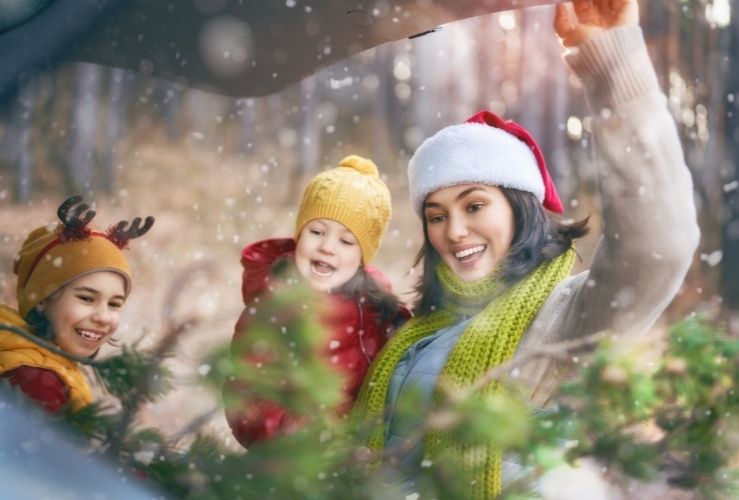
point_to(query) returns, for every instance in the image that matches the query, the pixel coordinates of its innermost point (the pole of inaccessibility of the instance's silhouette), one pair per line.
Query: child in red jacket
(342, 217)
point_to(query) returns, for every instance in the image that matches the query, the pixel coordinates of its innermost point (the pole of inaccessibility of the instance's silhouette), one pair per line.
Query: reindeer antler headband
(75, 216)
(75, 224)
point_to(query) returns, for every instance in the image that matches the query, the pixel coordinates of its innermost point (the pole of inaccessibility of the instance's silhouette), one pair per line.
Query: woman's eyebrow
(466, 192)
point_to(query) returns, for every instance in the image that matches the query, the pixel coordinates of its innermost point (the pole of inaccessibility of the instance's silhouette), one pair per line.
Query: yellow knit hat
(354, 195)
(55, 254)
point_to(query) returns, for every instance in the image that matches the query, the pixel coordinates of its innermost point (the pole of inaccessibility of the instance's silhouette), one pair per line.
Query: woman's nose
(456, 228)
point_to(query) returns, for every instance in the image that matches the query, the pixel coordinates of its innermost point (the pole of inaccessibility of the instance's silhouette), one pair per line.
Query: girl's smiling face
(85, 312)
(327, 254)
(471, 226)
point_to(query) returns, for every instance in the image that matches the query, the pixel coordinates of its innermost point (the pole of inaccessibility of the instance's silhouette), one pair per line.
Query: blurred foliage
(676, 420)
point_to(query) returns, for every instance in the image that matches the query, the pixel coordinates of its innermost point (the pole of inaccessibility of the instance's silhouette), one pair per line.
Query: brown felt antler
(120, 235)
(75, 223)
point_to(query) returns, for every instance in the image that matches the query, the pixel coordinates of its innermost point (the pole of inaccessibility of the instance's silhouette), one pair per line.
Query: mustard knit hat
(354, 195)
(55, 254)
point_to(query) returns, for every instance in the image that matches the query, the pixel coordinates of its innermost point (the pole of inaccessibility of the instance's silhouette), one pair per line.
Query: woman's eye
(347, 242)
(86, 298)
(435, 219)
(115, 305)
(316, 232)
(474, 207)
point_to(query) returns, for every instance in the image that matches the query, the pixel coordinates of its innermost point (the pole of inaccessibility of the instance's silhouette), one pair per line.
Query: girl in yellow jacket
(72, 283)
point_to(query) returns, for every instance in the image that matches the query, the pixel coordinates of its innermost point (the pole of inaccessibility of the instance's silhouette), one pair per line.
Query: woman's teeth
(469, 251)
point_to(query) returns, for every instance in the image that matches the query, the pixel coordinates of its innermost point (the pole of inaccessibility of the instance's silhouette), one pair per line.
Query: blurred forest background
(219, 172)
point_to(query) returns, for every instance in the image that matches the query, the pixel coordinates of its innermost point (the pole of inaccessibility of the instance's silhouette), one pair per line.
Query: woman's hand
(578, 21)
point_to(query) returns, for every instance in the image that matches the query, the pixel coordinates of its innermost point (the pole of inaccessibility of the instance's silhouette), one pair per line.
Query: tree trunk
(22, 156)
(82, 157)
(116, 120)
(730, 229)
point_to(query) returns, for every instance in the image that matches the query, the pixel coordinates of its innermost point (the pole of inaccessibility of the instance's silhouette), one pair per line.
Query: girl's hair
(363, 287)
(40, 325)
(538, 238)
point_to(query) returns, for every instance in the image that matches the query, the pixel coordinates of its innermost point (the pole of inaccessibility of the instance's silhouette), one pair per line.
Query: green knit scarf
(491, 338)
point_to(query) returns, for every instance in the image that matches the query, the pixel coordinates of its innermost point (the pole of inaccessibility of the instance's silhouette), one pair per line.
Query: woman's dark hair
(363, 287)
(538, 238)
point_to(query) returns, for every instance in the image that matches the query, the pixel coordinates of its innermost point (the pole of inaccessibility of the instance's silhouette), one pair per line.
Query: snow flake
(712, 259)
(144, 456)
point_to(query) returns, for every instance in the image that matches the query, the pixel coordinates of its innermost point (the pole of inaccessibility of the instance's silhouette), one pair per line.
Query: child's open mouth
(322, 268)
(89, 335)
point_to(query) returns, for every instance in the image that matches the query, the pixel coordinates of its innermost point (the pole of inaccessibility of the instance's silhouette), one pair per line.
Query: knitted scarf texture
(500, 320)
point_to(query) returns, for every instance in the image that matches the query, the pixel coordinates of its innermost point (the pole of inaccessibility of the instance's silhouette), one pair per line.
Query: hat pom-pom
(361, 165)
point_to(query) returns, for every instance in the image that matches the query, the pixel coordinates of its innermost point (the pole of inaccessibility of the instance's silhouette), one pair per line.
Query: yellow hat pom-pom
(360, 164)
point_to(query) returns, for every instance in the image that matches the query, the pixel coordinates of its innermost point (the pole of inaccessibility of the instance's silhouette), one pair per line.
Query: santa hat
(484, 150)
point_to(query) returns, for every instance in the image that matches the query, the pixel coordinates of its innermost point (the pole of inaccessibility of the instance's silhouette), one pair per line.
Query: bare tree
(83, 141)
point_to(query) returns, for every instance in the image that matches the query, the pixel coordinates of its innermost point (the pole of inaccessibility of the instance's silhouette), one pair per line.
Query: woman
(72, 284)
(496, 264)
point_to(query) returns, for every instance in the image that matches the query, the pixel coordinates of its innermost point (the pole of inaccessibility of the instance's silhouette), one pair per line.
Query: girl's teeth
(322, 269)
(89, 335)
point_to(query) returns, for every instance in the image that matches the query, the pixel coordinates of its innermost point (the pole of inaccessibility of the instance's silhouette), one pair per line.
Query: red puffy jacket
(347, 349)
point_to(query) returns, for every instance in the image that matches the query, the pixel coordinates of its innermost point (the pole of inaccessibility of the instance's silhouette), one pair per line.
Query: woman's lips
(470, 253)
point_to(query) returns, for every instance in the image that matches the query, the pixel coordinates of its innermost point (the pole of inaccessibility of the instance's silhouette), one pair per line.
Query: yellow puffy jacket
(16, 351)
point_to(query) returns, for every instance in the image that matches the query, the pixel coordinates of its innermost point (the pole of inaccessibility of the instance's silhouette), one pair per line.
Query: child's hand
(578, 21)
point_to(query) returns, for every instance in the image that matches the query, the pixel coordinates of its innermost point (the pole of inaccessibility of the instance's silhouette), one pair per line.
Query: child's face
(84, 314)
(327, 255)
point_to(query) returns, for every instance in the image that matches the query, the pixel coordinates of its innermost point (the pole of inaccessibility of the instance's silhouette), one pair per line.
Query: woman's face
(471, 226)
(84, 313)
(327, 254)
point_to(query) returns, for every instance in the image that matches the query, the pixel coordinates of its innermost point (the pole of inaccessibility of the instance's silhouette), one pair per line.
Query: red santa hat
(484, 150)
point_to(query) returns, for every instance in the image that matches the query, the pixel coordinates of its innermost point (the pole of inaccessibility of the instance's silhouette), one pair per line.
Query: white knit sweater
(649, 222)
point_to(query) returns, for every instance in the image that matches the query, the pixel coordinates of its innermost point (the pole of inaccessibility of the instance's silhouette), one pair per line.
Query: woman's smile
(470, 254)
